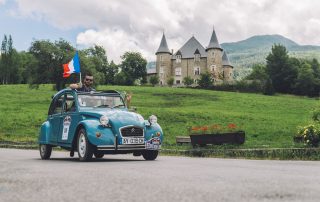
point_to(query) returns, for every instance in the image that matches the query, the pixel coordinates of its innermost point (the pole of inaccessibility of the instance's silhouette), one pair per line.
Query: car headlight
(104, 120)
(153, 119)
(140, 118)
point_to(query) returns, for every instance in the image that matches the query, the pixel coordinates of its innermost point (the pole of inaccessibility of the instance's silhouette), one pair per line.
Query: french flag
(72, 67)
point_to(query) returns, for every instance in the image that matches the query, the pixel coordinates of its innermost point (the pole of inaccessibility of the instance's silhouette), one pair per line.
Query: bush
(205, 80)
(310, 134)
(170, 81)
(188, 81)
(154, 80)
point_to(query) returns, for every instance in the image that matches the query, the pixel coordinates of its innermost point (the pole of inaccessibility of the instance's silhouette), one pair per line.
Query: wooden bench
(183, 139)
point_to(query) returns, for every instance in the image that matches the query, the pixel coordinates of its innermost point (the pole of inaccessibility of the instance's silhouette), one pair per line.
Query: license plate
(132, 140)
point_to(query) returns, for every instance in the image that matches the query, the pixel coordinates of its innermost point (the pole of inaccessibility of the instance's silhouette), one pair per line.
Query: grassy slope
(269, 121)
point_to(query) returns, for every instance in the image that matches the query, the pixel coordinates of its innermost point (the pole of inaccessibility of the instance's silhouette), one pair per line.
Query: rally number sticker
(153, 144)
(66, 126)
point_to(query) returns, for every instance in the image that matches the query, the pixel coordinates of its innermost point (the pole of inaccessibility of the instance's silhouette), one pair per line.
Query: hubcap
(82, 145)
(43, 149)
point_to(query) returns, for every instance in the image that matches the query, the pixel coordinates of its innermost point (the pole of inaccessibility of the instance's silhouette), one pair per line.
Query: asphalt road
(25, 177)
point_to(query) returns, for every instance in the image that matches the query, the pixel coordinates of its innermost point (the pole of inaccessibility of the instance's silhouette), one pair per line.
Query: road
(25, 177)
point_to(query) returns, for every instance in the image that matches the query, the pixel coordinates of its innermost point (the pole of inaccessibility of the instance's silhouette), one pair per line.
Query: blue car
(97, 123)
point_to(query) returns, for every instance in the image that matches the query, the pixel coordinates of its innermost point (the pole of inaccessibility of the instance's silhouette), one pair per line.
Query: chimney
(172, 51)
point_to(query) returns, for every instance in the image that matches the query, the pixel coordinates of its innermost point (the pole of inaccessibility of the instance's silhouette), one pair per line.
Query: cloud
(128, 25)
(2, 2)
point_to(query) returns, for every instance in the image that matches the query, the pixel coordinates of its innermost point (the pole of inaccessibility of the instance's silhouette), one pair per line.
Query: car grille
(131, 131)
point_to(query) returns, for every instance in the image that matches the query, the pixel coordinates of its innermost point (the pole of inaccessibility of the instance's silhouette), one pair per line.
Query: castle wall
(187, 66)
(163, 63)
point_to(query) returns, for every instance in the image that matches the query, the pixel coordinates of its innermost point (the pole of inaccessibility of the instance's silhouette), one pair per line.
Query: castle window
(212, 53)
(195, 81)
(213, 68)
(197, 57)
(161, 58)
(197, 71)
(178, 81)
(178, 58)
(178, 71)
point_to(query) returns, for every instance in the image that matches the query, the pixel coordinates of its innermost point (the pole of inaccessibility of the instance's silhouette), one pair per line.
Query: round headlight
(104, 120)
(153, 119)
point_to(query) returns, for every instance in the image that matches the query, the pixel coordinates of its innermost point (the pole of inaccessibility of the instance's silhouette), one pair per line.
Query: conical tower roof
(225, 60)
(163, 48)
(214, 41)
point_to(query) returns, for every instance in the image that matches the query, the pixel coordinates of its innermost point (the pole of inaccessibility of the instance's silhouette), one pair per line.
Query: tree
(281, 70)
(259, 72)
(170, 81)
(111, 71)
(188, 81)
(99, 61)
(268, 87)
(205, 80)
(133, 66)
(50, 57)
(305, 82)
(9, 62)
(154, 80)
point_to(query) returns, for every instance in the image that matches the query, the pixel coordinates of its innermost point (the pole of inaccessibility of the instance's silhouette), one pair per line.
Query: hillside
(244, 54)
(269, 121)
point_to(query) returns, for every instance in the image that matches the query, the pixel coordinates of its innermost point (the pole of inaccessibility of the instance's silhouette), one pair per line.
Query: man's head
(88, 80)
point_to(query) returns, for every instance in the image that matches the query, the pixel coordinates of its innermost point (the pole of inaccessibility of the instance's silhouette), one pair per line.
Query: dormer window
(197, 56)
(178, 58)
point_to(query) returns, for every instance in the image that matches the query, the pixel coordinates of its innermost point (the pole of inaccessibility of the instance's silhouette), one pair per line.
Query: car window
(100, 101)
(56, 106)
(70, 104)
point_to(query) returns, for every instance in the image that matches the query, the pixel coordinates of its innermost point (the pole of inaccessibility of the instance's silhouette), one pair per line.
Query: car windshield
(100, 100)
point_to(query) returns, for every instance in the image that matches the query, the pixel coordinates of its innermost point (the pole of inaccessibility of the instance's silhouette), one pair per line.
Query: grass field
(269, 121)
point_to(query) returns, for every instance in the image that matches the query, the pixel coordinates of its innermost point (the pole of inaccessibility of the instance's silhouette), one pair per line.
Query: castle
(191, 60)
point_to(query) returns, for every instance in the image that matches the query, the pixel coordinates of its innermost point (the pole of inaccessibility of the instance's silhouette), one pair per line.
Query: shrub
(170, 81)
(310, 134)
(188, 81)
(154, 80)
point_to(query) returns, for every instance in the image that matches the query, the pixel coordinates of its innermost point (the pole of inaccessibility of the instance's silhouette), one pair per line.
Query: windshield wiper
(116, 106)
(100, 106)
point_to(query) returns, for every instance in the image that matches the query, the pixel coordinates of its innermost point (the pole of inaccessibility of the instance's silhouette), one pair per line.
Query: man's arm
(75, 85)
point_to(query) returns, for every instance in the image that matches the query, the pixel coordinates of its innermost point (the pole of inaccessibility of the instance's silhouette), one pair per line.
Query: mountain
(244, 54)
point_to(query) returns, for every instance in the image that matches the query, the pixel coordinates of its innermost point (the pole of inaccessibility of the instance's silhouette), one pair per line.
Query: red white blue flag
(72, 67)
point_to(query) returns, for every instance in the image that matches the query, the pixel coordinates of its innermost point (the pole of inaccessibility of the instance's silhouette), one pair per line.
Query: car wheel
(98, 155)
(85, 149)
(45, 151)
(150, 154)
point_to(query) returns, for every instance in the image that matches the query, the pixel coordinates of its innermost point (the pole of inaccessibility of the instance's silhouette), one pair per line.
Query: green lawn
(269, 121)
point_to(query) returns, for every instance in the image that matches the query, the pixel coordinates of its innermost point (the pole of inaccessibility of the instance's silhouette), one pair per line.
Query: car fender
(44, 136)
(93, 127)
(153, 131)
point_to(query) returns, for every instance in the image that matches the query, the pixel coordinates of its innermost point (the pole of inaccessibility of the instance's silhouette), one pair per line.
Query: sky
(138, 25)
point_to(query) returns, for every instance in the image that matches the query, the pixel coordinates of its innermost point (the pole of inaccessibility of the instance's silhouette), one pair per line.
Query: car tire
(45, 151)
(98, 155)
(150, 155)
(85, 149)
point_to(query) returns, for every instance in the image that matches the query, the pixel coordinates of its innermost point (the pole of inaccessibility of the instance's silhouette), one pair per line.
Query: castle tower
(163, 63)
(227, 68)
(214, 58)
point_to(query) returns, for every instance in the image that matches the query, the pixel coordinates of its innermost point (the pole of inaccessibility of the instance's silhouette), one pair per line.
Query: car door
(55, 118)
(69, 119)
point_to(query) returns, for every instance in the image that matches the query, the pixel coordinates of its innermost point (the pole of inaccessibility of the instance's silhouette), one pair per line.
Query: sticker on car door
(66, 126)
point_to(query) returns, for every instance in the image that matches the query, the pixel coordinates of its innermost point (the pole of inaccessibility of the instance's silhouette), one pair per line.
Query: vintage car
(97, 123)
